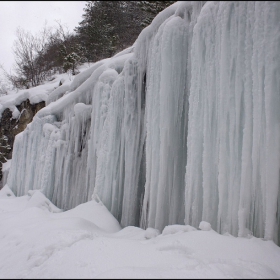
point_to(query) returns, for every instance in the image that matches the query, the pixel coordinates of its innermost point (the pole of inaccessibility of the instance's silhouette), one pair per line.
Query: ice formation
(182, 127)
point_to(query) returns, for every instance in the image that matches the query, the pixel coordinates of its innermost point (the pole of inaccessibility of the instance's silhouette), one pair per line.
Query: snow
(88, 242)
(37, 199)
(204, 226)
(151, 233)
(96, 213)
(6, 165)
(5, 171)
(48, 92)
(6, 192)
(177, 228)
(177, 129)
(179, 135)
(57, 93)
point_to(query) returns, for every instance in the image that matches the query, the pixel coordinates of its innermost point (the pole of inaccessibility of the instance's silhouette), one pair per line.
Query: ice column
(120, 151)
(232, 177)
(166, 125)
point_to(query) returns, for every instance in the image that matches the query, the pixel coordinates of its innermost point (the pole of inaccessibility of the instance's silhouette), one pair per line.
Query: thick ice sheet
(233, 162)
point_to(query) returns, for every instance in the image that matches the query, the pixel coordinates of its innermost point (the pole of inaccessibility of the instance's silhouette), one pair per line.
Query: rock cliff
(10, 127)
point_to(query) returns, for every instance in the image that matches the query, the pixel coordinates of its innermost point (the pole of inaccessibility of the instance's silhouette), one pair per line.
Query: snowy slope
(181, 128)
(46, 92)
(87, 242)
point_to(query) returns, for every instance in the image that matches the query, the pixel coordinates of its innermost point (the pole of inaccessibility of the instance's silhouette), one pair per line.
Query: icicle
(191, 108)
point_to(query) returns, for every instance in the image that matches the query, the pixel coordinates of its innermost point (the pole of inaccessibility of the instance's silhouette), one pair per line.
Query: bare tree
(7, 81)
(39, 56)
(27, 50)
(3, 89)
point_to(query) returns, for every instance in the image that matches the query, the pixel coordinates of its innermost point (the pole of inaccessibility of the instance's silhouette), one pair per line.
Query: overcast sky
(31, 16)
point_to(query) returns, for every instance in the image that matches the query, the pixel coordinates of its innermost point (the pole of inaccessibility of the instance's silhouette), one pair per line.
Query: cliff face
(10, 127)
(181, 128)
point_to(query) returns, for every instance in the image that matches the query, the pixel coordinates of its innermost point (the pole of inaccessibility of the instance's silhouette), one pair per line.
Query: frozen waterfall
(182, 127)
(233, 162)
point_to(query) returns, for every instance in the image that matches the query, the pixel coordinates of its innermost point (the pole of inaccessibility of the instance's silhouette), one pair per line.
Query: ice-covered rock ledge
(17, 109)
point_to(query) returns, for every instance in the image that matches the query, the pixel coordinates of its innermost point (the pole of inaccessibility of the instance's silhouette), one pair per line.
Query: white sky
(31, 16)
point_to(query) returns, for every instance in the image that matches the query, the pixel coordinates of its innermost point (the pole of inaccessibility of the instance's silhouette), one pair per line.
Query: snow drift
(181, 128)
(87, 242)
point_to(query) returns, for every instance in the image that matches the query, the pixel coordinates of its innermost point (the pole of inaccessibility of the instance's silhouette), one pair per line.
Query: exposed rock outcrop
(10, 127)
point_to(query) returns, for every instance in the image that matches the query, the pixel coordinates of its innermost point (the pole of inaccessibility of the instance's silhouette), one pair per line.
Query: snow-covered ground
(39, 93)
(225, 184)
(38, 240)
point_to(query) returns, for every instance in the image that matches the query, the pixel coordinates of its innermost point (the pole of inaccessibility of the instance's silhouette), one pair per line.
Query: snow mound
(151, 233)
(96, 213)
(39, 244)
(131, 232)
(37, 199)
(177, 228)
(6, 192)
(205, 226)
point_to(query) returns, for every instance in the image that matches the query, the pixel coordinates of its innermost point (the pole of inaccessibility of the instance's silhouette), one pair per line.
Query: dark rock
(10, 127)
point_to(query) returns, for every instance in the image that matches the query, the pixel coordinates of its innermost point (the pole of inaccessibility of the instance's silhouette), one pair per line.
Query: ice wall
(232, 177)
(183, 126)
(168, 84)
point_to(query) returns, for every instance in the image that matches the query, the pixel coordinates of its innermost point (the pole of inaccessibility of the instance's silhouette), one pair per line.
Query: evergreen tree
(151, 9)
(108, 27)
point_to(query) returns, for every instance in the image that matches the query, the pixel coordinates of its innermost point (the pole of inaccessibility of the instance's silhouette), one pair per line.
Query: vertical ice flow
(232, 178)
(182, 127)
